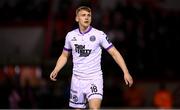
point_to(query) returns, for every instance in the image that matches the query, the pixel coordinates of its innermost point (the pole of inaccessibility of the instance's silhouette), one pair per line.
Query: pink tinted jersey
(86, 50)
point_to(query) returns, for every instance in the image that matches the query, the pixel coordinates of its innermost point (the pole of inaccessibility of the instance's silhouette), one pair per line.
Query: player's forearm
(120, 61)
(60, 63)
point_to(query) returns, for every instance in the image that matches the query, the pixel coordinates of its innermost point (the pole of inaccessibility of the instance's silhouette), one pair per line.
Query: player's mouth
(86, 22)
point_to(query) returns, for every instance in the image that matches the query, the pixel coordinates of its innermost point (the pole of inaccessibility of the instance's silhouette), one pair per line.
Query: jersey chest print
(81, 49)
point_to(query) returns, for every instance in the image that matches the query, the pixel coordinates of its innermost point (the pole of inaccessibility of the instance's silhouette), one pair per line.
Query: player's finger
(130, 82)
(52, 77)
(126, 81)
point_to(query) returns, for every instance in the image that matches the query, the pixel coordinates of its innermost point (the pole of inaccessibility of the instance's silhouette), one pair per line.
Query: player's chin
(86, 24)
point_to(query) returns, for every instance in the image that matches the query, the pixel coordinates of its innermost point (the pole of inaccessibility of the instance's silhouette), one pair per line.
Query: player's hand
(128, 79)
(53, 76)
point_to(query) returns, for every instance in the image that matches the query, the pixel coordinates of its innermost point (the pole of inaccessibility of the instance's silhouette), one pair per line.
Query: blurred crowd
(21, 10)
(25, 87)
(146, 34)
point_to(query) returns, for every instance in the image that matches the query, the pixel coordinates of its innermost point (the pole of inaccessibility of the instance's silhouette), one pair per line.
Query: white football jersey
(86, 50)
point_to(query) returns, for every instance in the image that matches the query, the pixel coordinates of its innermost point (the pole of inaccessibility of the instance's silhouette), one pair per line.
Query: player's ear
(77, 20)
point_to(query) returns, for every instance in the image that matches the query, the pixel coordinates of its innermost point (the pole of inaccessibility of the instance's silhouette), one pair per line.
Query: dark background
(32, 33)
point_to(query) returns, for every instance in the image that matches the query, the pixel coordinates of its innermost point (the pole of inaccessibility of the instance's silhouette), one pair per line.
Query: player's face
(84, 18)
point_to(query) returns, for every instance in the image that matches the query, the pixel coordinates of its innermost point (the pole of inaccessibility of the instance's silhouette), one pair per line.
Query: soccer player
(85, 44)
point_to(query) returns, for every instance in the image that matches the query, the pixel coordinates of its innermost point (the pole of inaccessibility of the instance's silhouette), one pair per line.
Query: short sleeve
(67, 45)
(105, 41)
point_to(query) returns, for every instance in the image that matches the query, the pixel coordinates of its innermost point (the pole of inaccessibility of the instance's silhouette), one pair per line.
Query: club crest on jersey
(92, 38)
(74, 39)
(74, 98)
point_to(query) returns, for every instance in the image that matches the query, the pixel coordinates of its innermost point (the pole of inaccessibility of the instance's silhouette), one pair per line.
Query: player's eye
(89, 15)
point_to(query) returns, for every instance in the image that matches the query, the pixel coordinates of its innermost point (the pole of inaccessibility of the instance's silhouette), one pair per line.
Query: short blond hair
(83, 8)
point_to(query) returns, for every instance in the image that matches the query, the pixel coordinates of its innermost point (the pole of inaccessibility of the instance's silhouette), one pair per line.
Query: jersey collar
(87, 30)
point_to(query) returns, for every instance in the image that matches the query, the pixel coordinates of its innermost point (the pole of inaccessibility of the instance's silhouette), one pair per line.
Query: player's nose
(86, 17)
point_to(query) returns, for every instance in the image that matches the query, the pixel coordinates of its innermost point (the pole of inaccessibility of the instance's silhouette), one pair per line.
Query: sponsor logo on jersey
(74, 39)
(83, 52)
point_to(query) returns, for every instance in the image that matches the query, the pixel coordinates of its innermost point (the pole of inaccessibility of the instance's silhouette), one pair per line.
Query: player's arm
(62, 60)
(120, 61)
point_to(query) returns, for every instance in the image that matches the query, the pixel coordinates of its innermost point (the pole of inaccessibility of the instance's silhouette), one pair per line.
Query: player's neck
(84, 29)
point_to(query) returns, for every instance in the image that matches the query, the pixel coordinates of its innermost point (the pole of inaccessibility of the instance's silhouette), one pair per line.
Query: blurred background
(146, 32)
